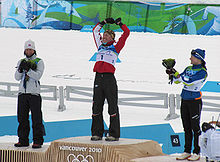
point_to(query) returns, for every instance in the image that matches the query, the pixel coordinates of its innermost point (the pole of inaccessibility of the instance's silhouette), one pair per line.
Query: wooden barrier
(83, 149)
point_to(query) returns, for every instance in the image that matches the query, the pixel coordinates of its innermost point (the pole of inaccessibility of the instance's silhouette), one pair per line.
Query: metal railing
(6, 89)
(48, 92)
(132, 98)
(85, 95)
(207, 105)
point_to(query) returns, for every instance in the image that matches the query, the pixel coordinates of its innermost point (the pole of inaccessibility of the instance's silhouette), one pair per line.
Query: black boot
(36, 146)
(21, 145)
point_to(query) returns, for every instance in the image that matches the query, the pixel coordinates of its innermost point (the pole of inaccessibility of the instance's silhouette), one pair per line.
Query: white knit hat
(29, 44)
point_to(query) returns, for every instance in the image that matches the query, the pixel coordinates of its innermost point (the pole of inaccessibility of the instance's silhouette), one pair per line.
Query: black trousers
(190, 114)
(27, 103)
(105, 87)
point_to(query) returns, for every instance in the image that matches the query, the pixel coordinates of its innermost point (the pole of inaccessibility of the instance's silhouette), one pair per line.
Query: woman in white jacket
(29, 71)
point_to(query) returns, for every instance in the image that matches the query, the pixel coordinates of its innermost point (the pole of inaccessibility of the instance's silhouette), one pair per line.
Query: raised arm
(96, 34)
(126, 32)
(96, 30)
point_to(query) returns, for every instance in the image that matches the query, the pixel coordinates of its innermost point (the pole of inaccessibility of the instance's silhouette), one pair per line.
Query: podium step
(164, 158)
(83, 149)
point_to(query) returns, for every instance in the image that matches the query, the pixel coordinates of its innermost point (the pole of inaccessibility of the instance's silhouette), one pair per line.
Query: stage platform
(164, 158)
(9, 153)
(82, 148)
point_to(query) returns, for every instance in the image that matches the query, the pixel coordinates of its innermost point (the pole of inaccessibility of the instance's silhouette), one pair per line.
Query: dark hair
(203, 64)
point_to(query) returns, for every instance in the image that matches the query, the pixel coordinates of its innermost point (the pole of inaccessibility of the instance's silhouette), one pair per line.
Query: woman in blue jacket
(193, 78)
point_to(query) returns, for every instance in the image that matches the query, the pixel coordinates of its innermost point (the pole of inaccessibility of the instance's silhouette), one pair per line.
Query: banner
(176, 18)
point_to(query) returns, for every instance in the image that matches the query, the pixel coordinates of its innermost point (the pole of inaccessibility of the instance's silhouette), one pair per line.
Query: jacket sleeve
(201, 75)
(18, 76)
(36, 75)
(96, 34)
(121, 42)
(194, 79)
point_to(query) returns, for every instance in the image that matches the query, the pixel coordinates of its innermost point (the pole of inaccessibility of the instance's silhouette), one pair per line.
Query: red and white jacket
(107, 54)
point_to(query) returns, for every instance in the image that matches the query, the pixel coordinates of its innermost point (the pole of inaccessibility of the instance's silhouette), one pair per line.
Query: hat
(111, 33)
(199, 54)
(29, 44)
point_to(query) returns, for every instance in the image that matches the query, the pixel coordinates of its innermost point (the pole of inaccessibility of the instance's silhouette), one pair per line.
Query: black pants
(190, 114)
(105, 87)
(26, 103)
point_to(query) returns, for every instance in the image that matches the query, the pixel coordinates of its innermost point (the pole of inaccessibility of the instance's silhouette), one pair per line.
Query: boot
(183, 156)
(111, 138)
(96, 138)
(194, 157)
(21, 144)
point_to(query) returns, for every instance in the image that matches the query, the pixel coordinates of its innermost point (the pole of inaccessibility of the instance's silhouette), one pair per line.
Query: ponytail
(203, 64)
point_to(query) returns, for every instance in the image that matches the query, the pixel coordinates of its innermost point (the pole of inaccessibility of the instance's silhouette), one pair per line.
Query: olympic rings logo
(78, 157)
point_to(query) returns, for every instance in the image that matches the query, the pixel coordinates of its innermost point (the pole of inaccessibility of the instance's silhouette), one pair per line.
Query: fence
(128, 101)
(207, 106)
(170, 101)
(11, 90)
(131, 98)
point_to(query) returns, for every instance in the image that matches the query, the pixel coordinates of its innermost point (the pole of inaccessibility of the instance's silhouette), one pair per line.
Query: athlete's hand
(110, 20)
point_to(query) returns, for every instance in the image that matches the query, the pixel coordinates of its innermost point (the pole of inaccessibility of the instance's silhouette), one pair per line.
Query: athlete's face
(29, 52)
(106, 38)
(195, 61)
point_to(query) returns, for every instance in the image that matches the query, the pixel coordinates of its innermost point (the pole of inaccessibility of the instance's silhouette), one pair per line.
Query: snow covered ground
(66, 56)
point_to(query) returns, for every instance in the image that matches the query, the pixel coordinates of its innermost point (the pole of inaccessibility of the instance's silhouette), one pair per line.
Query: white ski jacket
(33, 84)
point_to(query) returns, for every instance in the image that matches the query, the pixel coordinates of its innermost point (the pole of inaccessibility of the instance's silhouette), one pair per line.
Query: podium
(82, 149)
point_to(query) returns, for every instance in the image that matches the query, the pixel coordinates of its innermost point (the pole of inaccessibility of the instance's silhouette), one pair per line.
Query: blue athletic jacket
(193, 78)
